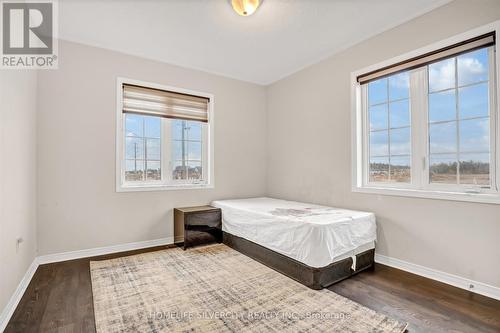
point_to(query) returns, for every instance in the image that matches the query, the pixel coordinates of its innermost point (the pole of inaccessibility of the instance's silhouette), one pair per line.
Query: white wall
(17, 177)
(305, 135)
(77, 202)
(309, 131)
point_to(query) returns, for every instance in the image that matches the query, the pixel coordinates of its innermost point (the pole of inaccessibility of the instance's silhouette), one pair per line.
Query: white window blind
(165, 104)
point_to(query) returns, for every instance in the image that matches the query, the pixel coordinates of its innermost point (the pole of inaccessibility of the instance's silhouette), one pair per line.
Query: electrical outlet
(19, 240)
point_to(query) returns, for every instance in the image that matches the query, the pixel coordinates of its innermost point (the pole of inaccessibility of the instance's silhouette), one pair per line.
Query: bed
(315, 245)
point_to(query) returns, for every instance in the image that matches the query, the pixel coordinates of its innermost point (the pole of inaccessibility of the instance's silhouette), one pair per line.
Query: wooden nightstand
(200, 225)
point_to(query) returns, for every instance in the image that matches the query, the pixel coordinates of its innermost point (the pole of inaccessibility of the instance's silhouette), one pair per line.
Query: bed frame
(315, 278)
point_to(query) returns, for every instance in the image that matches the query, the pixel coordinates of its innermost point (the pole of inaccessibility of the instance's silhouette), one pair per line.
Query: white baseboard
(11, 306)
(57, 257)
(454, 280)
(457, 281)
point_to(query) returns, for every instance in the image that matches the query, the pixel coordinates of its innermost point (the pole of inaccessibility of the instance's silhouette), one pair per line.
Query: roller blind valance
(162, 103)
(425, 59)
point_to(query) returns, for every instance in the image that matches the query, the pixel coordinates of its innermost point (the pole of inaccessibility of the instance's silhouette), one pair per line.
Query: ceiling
(282, 37)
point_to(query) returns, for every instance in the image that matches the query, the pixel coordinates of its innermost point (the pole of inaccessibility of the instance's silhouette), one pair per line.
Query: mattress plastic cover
(312, 234)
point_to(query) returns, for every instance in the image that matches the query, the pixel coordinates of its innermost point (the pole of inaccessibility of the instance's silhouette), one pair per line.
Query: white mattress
(314, 235)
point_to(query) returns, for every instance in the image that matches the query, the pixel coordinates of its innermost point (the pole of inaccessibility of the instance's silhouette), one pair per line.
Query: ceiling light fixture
(245, 7)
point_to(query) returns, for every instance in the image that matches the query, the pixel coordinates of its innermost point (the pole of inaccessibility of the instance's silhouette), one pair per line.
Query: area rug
(217, 289)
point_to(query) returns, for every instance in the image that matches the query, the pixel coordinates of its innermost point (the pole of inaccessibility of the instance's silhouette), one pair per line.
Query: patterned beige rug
(217, 289)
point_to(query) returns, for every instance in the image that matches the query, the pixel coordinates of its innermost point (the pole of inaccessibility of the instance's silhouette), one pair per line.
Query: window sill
(489, 198)
(150, 188)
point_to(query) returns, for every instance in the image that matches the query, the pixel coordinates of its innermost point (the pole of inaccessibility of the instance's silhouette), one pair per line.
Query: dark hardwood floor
(426, 305)
(59, 299)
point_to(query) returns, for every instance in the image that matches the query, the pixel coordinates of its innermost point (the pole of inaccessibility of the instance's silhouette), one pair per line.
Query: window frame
(420, 186)
(145, 138)
(366, 140)
(166, 183)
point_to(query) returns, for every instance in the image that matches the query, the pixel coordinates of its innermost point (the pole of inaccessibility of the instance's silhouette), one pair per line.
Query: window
(142, 148)
(427, 125)
(459, 119)
(390, 130)
(163, 137)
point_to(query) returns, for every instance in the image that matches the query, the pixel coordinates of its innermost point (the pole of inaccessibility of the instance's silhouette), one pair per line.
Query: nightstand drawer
(200, 225)
(209, 219)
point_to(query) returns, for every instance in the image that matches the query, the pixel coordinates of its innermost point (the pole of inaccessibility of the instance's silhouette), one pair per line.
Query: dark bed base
(315, 278)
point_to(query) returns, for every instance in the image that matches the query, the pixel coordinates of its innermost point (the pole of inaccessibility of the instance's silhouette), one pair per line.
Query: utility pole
(183, 149)
(135, 157)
